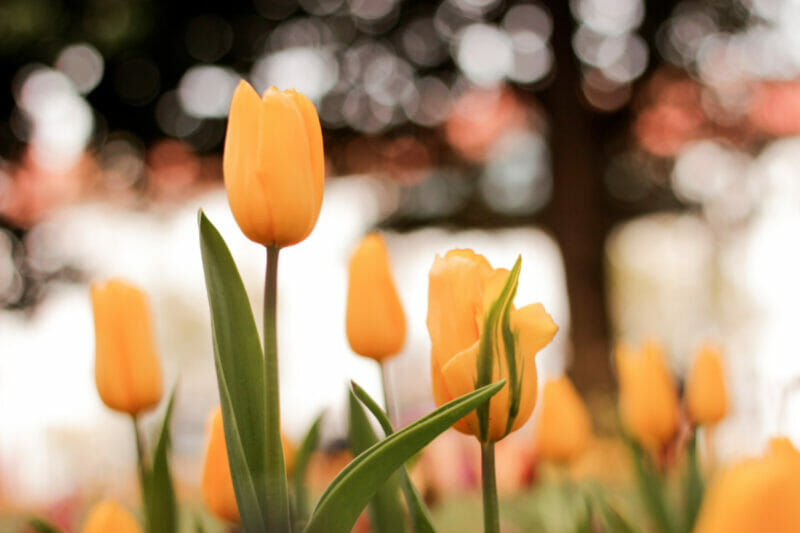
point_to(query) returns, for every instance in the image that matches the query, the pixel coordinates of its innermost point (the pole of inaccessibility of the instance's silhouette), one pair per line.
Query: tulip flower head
(376, 325)
(127, 370)
(706, 398)
(564, 427)
(479, 337)
(218, 493)
(108, 516)
(755, 495)
(273, 164)
(648, 399)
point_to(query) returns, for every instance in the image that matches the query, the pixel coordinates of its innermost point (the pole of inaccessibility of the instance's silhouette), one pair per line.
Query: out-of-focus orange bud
(376, 326)
(706, 398)
(108, 516)
(755, 495)
(648, 399)
(127, 371)
(462, 288)
(218, 491)
(564, 427)
(273, 164)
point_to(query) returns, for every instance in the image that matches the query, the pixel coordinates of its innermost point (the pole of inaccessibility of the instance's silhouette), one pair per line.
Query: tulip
(755, 495)
(564, 427)
(648, 398)
(273, 165)
(218, 491)
(376, 326)
(127, 371)
(108, 516)
(706, 399)
(463, 288)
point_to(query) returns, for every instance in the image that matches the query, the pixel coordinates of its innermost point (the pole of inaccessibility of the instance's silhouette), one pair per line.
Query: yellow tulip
(564, 427)
(755, 495)
(108, 516)
(273, 165)
(462, 288)
(706, 398)
(648, 398)
(376, 326)
(217, 483)
(127, 371)
(218, 491)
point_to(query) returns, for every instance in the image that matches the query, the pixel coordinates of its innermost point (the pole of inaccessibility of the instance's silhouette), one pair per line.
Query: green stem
(385, 383)
(277, 504)
(141, 461)
(491, 513)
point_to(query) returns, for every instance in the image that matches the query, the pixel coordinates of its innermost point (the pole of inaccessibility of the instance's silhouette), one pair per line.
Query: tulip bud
(648, 399)
(564, 426)
(127, 371)
(463, 289)
(218, 492)
(273, 165)
(706, 398)
(108, 516)
(376, 326)
(755, 495)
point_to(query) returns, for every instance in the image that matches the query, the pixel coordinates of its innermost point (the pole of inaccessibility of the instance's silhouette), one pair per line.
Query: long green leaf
(651, 488)
(299, 490)
(41, 526)
(385, 510)
(240, 376)
(421, 521)
(348, 494)
(162, 511)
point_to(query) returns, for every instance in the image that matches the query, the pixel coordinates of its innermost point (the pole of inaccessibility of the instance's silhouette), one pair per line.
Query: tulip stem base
(278, 519)
(491, 512)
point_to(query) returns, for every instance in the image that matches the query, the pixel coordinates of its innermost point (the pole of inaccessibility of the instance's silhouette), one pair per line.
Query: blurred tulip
(127, 371)
(648, 399)
(755, 495)
(706, 398)
(376, 326)
(273, 165)
(108, 516)
(463, 286)
(564, 427)
(217, 481)
(218, 493)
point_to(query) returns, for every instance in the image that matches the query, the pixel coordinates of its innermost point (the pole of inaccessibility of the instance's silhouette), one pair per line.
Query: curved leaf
(239, 363)
(299, 490)
(162, 514)
(348, 494)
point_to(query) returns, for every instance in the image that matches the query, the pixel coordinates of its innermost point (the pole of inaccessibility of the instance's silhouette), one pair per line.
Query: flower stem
(277, 503)
(141, 461)
(385, 386)
(491, 513)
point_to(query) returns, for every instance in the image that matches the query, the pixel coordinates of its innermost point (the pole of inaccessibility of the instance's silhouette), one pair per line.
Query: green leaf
(421, 521)
(651, 488)
(162, 513)
(37, 524)
(240, 376)
(300, 492)
(385, 511)
(348, 494)
(495, 317)
(694, 485)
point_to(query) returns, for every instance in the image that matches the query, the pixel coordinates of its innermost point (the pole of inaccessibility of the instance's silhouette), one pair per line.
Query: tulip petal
(534, 328)
(218, 492)
(314, 132)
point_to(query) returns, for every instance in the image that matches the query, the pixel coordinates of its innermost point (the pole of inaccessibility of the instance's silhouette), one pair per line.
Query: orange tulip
(648, 398)
(706, 398)
(564, 427)
(376, 326)
(127, 371)
(218, 491)
(462, 289)
(273, 165)
(108, 516)
(755, 495)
